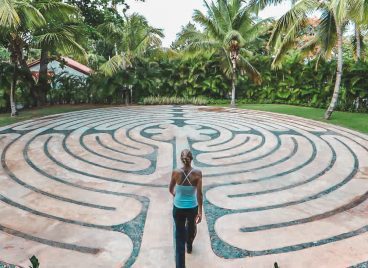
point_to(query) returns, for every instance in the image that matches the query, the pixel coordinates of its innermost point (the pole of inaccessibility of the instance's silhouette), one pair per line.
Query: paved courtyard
(89, 189)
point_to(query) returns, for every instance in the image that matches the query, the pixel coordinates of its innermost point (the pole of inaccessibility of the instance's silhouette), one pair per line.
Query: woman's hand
(198, 218)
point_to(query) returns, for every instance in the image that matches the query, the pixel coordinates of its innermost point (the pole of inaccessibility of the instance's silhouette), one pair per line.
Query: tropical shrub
(174, 100)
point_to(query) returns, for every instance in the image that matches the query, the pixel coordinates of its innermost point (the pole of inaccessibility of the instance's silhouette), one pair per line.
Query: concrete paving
(89, 189)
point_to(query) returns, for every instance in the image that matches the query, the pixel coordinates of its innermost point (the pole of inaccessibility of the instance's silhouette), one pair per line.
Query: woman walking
(186, 187)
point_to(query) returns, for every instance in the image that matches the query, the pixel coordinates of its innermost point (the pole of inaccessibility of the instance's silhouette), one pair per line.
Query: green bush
(173, 101)
(200, 81)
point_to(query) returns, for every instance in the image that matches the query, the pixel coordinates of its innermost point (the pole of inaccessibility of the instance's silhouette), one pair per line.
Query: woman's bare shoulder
(197, 171)
(176, 171)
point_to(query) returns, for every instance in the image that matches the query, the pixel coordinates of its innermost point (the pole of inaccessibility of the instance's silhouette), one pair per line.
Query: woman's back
(185, 192)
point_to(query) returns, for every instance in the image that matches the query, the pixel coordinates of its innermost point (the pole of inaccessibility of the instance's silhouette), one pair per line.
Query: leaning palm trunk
(336, 92)
(12, 91)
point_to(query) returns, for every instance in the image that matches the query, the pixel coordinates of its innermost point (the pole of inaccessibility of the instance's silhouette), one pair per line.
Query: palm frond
(70, 47)
(326, 33)
(151, 38)
(241, 18)
(364, 13)
(287, 41)
(247, 68)
(225, 62)
(358, 10)
(30, 16)
(283, 48)
(8, 14)
(190, 35)
(357, 37)
(295, 16)
(341, 9)
(310, 47)
(203, 45)
(111, 31)
(257, 29)
(246, 53)
(225, 11)
(157, 31)
(110, 28)
(115, 64)
(207, 23)
(236, 8)
(55, 10)
(258, 5)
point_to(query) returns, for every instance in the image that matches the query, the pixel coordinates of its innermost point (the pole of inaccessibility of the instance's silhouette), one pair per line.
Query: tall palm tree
(229, 30)
(357, 41)
(131, 39)
(60, 34)
(24, 23)
(360, 22)
(328, 39)
(17, 18)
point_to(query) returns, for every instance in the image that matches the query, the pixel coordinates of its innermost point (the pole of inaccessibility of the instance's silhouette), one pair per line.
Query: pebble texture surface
(89, 189)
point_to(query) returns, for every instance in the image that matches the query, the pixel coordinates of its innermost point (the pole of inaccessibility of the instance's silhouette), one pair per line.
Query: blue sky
(170, 15)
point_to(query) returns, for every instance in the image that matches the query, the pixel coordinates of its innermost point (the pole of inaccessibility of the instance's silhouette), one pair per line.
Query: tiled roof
(76, 65)
(70, 63)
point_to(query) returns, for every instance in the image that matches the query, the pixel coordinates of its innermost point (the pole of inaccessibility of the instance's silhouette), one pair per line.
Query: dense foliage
(302, 83)
(234, 48)
(298, 83)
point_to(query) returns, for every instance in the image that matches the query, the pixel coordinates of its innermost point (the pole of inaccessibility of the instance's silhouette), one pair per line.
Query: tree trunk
(14, 60)
(131, 94)
(336, 92)
(358, 42)
(126, 97)
(233, 57)
(43, 79)
(29, 78)
(13, 87)
(233, 84)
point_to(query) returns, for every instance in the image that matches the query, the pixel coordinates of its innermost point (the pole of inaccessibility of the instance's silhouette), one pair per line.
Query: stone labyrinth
(89, 189)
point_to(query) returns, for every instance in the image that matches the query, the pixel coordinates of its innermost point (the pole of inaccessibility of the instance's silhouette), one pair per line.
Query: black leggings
(185, 231)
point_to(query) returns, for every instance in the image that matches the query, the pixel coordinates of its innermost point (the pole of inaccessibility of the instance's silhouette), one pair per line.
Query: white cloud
(170, 15)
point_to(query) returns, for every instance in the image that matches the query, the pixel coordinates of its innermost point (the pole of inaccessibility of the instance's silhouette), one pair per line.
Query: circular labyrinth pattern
(89, 189)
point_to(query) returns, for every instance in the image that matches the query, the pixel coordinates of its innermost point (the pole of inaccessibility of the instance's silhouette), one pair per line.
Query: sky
(171, 15)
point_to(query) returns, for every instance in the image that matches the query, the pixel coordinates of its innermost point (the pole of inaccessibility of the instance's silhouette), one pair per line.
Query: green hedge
(173, 100)
(298, 83)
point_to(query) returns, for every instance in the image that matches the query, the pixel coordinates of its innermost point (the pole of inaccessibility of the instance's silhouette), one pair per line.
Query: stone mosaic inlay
(89, 189)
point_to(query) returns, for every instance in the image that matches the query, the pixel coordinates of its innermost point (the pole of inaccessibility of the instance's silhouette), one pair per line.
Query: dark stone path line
(51, 243)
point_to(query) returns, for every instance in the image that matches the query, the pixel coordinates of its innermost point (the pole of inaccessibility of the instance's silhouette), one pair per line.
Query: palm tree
(39, 23)
(131, 39)
(16, 20)
(360, 21)
(229, 31)
(60, 34)
(328, 39)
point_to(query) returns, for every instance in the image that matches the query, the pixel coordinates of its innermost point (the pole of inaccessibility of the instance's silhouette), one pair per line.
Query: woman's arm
(172, 184)
(199, 198)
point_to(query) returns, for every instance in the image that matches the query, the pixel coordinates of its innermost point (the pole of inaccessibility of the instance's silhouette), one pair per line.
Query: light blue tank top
(185, 195)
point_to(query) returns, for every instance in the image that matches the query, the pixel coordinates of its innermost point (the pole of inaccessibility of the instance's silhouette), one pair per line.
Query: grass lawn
(5, 119)
(356, 121)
